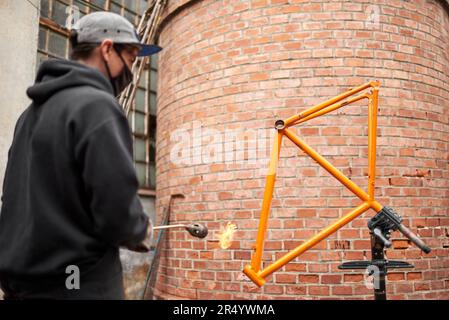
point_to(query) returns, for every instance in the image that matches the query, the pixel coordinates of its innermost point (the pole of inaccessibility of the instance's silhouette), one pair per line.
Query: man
(70, 188)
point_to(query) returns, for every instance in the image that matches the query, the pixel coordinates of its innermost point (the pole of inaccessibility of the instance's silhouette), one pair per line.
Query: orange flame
(227, 235)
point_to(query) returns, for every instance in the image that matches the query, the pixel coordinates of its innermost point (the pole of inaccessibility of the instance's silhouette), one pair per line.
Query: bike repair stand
(381, 225)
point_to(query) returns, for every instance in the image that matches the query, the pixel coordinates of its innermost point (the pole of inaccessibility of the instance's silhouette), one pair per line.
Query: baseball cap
(98, 26)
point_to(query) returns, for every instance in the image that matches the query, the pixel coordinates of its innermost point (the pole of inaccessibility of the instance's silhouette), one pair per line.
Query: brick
(401, 244)
(395, 276)
(259, 77)
(353, 278)
(318, 290)
(285, 278)
(331, 279)
(296, 290)
(342, 290)
(414, 276)
(308, 279)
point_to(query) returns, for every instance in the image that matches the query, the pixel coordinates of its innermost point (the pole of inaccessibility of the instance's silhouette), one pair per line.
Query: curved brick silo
(234, 67)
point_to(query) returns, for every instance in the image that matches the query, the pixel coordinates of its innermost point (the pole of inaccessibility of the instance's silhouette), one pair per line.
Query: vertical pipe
(379, 269)
(372, 135)
(267, 197)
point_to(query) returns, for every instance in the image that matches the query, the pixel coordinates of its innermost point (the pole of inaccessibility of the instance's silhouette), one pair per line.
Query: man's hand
(145, 245)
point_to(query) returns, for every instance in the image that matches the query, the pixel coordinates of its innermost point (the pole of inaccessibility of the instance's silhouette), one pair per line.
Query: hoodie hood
(55, 75)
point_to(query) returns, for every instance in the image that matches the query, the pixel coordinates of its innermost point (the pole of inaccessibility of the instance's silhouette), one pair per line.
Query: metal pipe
(372, 136)
(329, 102)
(327, 165)
(195, 229)
(414, 238)
(330, 109)
(169, 226)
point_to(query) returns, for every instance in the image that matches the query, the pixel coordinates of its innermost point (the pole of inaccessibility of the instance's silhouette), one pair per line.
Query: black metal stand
(381, 225)
(377, 267)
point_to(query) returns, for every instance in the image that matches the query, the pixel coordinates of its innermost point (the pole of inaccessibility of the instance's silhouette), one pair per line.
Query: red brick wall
(240, 65)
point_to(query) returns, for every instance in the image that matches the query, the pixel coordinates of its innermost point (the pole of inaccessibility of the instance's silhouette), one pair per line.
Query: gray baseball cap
(98, 26)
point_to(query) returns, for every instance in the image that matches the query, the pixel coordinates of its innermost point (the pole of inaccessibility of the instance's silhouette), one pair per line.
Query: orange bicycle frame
(282, 126)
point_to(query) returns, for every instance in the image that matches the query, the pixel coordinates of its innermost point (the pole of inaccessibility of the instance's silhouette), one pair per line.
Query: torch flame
(227, 235)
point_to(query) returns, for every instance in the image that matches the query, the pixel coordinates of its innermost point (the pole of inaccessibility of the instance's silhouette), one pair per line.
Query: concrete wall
(19, 26)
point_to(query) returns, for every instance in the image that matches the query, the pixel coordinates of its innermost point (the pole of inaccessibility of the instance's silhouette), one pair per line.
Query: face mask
(120, 82)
